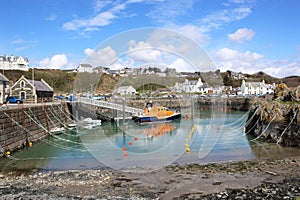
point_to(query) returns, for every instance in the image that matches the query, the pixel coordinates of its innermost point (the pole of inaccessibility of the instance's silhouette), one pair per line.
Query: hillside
(291, 81)
(63, 81)
(60, 80)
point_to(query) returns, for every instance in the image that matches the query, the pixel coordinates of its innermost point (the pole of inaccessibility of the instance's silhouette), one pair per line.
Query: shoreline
(260, 177)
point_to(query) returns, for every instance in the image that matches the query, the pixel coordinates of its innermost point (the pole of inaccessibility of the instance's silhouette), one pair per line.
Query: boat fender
(7, 153)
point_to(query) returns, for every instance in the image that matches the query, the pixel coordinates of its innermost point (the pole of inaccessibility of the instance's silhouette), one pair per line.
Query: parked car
(59, 97)
(13, 99)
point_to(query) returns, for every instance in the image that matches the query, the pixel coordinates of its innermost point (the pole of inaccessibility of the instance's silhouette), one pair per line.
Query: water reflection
(213, 139)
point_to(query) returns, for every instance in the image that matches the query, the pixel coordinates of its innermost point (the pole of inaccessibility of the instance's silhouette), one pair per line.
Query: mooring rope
(57, 118)
(55, 136)
(265, 128)
(74, 117)
(287, 127)
(252, 116)
(252, 127)
(240, 119)
(46, 141)
(52, 122)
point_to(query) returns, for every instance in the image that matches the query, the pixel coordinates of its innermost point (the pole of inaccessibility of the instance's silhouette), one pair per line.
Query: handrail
(110, 105)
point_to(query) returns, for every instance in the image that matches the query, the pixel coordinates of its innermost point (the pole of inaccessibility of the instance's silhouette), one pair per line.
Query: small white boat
(58, 130)
(72, 125)
(89, 123)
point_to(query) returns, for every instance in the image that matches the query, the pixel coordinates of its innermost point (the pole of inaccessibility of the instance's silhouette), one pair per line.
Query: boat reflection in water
(159, 129)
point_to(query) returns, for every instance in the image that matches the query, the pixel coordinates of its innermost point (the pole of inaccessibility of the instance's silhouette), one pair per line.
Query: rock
(272, 173)
(275, 122)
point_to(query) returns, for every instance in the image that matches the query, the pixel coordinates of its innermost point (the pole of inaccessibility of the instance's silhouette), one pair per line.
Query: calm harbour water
(217, 137)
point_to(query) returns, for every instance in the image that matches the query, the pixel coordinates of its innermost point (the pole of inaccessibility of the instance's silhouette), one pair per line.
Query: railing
(109, 105)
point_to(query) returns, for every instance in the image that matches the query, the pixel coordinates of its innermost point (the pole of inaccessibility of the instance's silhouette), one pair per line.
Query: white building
(4, 86)
(257, 88)
(237, 75)
(125, 90)
(85, 68)
(188, 86)
(14, 63)
(205, 89)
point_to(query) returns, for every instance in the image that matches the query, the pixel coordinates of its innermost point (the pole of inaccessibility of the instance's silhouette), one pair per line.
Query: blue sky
(238, 35)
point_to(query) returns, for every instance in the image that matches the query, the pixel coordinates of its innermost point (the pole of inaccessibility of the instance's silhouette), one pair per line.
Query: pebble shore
(256, 179)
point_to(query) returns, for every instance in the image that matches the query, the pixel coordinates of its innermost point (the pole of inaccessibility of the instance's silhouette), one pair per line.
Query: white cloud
(226, 54)
(217, 19)
(166, 11)
(182, 66)
(241, 35)
(101, 19)
(241, 1)
(52, 17)
(282, 68)
(251, 57)
(102, 57)
(230, 59)
(58, 61)
(192, 31)
(143, 52)
(100, 4)
(252, 62)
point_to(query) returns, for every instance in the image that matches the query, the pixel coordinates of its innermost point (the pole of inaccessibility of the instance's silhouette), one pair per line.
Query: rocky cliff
(277, 121)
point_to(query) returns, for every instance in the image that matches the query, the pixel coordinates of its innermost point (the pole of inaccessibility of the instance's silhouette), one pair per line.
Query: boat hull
(149, 119)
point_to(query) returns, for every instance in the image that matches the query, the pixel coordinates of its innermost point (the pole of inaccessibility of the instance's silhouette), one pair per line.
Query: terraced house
(257, 88)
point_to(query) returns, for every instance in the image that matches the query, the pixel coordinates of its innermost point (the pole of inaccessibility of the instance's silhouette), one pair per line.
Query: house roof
(85, 65)
(124, 88)
(41, 86)
(254, 84)
(3, 78)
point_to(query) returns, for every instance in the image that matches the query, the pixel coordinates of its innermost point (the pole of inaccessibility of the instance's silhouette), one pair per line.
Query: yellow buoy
(188, 150)
(189, 136)
(30, 144)
(186, 145)
(186, 140)
(8, 153)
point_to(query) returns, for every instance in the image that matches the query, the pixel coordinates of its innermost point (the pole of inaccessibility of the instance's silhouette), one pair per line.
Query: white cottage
(85, 68)
(125, 90)
(257, 88)
(188, 86)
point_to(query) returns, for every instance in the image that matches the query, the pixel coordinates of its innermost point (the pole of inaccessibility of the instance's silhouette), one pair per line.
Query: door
(23, 95)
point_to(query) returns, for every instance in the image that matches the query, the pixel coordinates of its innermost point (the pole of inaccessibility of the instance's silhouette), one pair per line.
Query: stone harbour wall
(23, 125)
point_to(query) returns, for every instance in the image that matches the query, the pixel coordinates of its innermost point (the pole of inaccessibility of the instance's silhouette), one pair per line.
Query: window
(22, 84)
